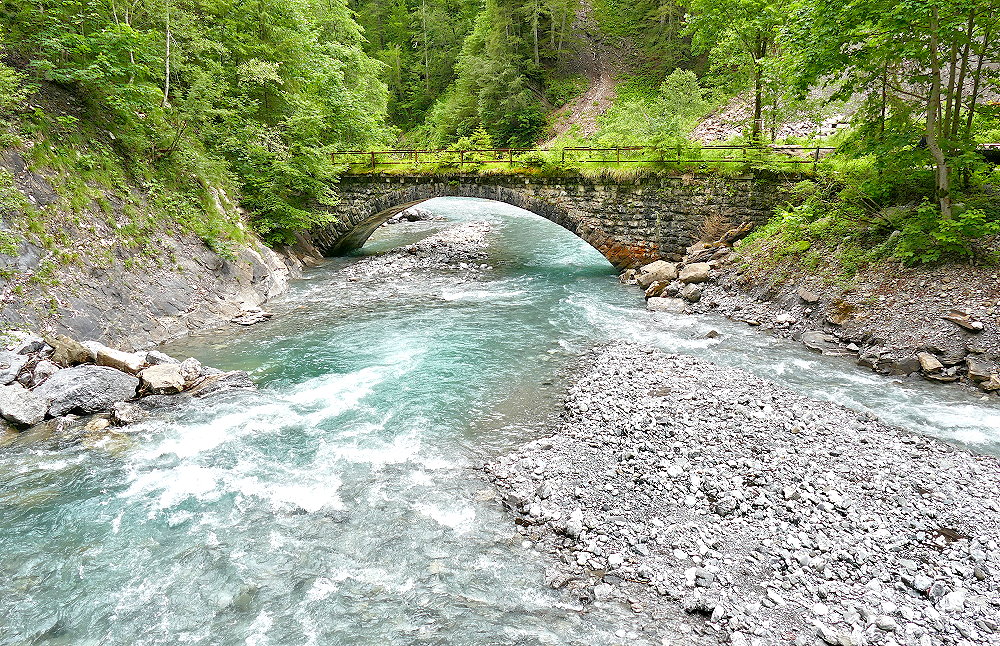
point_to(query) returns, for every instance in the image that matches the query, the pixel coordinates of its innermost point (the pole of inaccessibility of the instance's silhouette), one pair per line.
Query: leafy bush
(926, 237)
(663, 118)
(561, 91)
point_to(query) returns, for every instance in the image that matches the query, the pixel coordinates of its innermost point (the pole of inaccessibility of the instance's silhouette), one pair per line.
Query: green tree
(741, 38)
(921, 66)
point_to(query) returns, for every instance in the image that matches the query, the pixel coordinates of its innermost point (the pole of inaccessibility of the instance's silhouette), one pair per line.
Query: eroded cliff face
(79, 274)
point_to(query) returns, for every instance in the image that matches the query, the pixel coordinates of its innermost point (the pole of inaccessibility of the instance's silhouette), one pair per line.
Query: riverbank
(728, 508)
(940, 323)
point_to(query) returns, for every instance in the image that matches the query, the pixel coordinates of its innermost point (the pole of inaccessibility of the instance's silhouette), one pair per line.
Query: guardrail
(789, 154)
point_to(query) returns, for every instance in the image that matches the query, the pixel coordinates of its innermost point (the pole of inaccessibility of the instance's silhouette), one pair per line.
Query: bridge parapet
(631, 222)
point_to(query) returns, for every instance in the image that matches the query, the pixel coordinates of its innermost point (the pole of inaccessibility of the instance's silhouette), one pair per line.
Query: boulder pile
(670, 286)
(45, 377)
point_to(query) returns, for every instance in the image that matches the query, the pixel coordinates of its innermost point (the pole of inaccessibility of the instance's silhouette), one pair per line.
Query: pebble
(681, 478)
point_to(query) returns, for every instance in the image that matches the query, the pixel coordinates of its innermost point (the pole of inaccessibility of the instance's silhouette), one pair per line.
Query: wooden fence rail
(788, 154)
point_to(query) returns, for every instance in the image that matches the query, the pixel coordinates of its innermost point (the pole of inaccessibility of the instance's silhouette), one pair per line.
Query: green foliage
(561, 91)
(663, 120)
(826, 233)
(926, 237)
(263, 90)
(655, 26)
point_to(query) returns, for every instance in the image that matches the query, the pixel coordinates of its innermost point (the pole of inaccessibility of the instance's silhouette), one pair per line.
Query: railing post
(461, 158)
(510, 153)
(415, 162)
(618, 154)
(815, 160)
(373, 160)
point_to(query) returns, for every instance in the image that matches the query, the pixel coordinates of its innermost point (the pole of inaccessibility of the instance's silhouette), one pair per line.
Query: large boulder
(191, 370)
(674, 305)
(128, 362)
(929, 363)
(10, 366)
(696, 272)
(68, 352)
(156, 358)
(691, 293)
(164, 379)
(807, 296)
(86, 389)
(980, 368)
(223, 382)
(655, 289)
(824, 343)
(659, 271)
(21, 406)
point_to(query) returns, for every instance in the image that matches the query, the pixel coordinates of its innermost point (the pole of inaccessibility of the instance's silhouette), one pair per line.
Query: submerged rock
(674, 305)
(125, 413)
(214, 384)
(86, 389)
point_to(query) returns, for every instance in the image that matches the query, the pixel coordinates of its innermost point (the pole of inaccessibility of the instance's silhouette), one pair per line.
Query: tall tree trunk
(535, 10)
(942, 173)
(976, 81)
(956, 117)
(166, 64)
(758, 95)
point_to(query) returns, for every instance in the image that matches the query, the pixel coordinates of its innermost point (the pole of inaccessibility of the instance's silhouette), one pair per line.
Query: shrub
(927, 237)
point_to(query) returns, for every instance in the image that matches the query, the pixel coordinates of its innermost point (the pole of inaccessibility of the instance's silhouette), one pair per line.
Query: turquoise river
(341, 503)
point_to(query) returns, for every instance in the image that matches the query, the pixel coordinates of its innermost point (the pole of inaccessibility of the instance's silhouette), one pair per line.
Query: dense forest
(262, 92)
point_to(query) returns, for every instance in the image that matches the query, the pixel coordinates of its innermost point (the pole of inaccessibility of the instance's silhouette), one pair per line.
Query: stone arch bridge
(630, 222)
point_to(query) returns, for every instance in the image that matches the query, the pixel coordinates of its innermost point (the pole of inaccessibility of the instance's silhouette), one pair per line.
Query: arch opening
(363, 211)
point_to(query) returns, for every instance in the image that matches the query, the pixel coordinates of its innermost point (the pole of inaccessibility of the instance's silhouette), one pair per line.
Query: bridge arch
(359, 218)
(630, 222)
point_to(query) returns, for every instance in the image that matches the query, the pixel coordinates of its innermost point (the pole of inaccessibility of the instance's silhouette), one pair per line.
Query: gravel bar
(727, 509)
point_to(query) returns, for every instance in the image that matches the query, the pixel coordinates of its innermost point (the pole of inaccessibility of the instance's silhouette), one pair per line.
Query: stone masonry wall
(631, 222)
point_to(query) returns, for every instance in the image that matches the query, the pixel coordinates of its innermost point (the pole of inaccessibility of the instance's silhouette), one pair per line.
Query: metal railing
(788, 154)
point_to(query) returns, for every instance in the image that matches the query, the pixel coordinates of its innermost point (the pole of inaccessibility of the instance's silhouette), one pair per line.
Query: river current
(341, 504)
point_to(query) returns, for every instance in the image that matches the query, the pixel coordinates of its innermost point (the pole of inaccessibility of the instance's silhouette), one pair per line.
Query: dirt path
(595, 59)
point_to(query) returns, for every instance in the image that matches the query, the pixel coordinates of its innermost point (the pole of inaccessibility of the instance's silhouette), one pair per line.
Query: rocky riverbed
(726, 509)
(460, 247)
(56, 384)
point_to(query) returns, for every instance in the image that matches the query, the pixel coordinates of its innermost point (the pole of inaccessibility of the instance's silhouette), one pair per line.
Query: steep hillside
(99, 247)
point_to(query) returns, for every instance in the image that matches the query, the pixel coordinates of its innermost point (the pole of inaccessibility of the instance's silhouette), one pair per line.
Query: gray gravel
(460, 247)
(726, 509)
